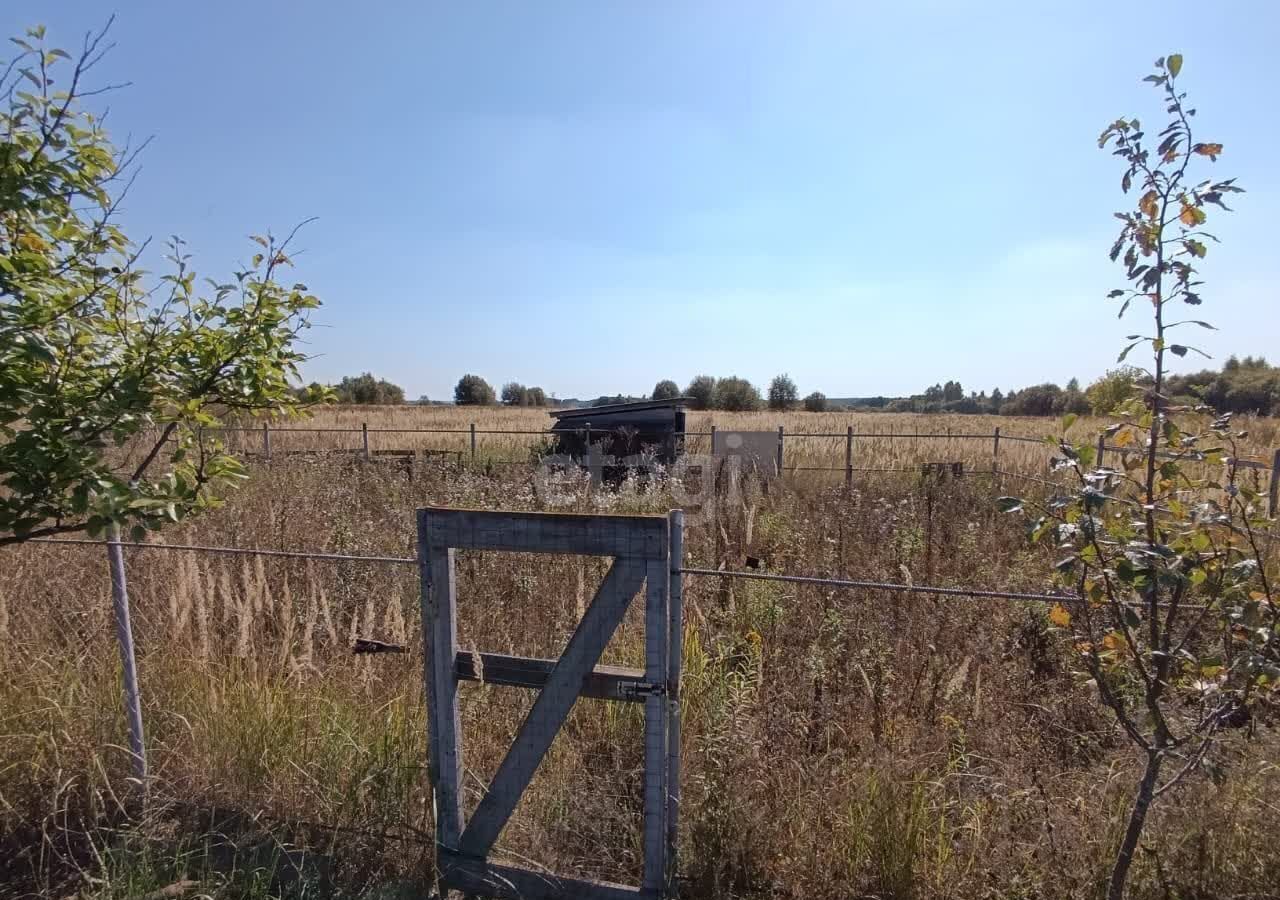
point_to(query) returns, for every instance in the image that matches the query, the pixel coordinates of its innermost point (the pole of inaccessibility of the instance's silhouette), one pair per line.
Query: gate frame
(646, 550)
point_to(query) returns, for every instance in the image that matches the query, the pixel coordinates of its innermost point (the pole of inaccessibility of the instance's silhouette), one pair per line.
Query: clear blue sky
(592, 196)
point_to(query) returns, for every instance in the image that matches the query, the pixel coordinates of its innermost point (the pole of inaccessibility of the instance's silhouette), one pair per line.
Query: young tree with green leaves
(472, 390)
(1177, 622)
(110, 383)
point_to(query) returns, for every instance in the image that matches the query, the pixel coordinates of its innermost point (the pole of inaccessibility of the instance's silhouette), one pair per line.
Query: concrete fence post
(266, 440)
(128, 662)
(713, 440)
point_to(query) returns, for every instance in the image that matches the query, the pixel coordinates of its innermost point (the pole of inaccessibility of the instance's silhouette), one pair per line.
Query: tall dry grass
(836, 743)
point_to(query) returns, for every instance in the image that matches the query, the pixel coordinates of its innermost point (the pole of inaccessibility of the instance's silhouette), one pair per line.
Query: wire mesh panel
(559, 774)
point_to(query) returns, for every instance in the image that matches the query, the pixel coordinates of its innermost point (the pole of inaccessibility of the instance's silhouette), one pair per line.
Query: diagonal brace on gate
(553, 705)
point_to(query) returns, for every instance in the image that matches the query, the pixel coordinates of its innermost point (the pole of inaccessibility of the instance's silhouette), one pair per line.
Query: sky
(593, 196)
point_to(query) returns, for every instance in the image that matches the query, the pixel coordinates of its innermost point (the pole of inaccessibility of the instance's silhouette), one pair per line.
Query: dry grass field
(836, 743)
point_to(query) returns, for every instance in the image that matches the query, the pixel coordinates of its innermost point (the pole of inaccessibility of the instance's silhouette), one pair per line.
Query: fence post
(128, 663)
(364, 436)
(266, 440)
(675, 659)
(780, 437)
(1273, 490)
(473, 441)
(594, 466)
(713, 440)
(995, 450)
(848, 459)
(1102, 449)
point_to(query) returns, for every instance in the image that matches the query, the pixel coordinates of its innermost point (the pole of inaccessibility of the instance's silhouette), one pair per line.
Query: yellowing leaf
(1059, 616)
(1175, 64)
(1148, 204)
(1191, 216)
(1210, 150)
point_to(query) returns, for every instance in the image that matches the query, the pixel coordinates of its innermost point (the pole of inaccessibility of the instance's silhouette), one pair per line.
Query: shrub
(782, 392)
(816, 402)
(472, 390)
(735, 395)
(369, 390)
(666, 390)
(701, 391)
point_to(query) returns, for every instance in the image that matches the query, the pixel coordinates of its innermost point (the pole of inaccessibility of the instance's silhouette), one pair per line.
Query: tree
(365, 389)
(1113, 389)
(1037, 400)
(111, 385)
(1167, 560)
(735, 395)
(472, 390)
(701, 391)
(816, 402)
(514, 394)
(997, 400)
(782, 392)
(666, 390)
(535, 396)
(952, 392)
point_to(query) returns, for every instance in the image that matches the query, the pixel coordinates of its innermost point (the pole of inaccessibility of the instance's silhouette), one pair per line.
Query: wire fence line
(980, 593)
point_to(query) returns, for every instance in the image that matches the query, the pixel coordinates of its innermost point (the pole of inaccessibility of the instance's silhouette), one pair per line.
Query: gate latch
(634, 689)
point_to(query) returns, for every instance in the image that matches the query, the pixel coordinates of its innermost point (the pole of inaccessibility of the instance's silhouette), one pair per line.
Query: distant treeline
(1248, 385)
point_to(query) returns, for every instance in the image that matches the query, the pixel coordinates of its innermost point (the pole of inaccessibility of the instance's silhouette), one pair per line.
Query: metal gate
(646, 552)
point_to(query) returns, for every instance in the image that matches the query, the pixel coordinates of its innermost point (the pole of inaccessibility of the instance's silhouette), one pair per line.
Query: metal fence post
(1273, 490)
(780, 455)
(128, 663)
(594, 466)
(995, 455)
(364, 436)
(713, 440)
(848, 459)
(266, 440)
(675, 659)
(1102, 449)
(473, 441)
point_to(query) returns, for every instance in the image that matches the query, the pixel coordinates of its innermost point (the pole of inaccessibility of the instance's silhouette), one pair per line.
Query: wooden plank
(440, 643)
(493, 879)
(624, 536)
(552, 707)
(657, 632)
(601, 683)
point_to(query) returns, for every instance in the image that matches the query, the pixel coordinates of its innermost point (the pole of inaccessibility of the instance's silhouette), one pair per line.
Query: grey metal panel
(554, 702)
(622, 536)
(602, 682)
(491, 879)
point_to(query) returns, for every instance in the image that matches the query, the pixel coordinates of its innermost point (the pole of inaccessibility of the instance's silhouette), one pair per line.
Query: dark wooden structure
(652, 428)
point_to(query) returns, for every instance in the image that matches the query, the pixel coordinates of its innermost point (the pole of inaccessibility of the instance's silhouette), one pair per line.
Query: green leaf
(1174, 63)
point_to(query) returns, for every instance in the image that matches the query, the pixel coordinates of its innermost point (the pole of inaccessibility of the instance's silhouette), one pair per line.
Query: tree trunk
(1137, 819)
